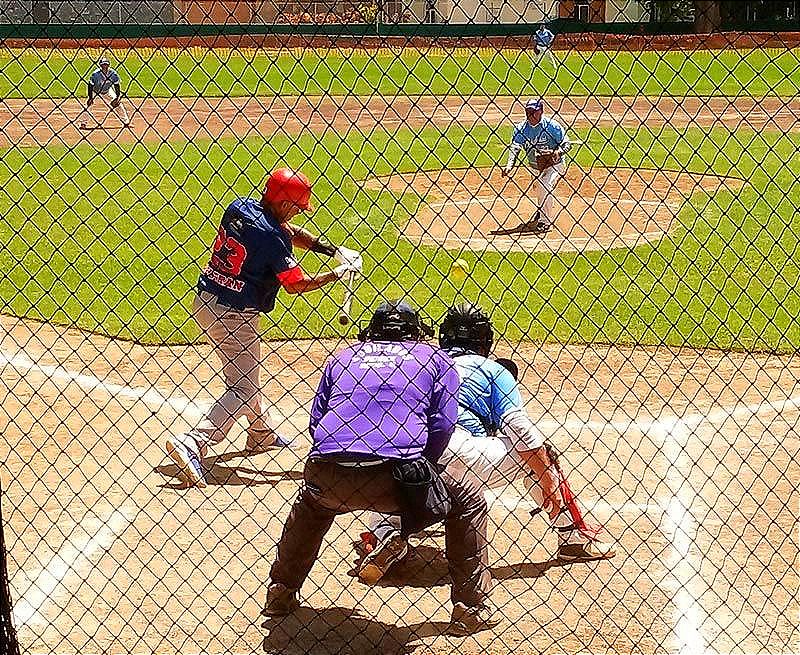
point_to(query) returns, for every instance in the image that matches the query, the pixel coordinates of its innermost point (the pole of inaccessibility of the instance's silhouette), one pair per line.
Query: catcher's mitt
(115, 102)
(546, 160)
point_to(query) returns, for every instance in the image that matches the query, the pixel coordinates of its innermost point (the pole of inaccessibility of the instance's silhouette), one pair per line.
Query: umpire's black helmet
(395, 320)
(466, 326)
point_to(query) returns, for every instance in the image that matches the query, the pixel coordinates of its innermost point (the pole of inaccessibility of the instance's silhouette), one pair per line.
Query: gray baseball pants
(234, 335)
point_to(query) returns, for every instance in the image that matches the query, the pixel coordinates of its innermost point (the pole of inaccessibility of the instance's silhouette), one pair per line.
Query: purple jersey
(250, 253)
(394, 400)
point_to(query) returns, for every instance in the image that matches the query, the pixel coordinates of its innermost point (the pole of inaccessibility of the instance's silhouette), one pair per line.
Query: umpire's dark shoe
(587, 552)
(280, 600)
(467, 620)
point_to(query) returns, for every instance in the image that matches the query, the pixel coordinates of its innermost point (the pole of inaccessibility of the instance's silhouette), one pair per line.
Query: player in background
(494, 443)
(252, 259)
(544, 142)
(543, 43)
(105, 84)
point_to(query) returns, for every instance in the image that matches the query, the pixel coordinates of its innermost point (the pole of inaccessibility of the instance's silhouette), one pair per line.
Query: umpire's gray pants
(332, 489)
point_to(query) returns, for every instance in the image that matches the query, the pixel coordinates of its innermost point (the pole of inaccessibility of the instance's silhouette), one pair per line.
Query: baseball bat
(344, 315)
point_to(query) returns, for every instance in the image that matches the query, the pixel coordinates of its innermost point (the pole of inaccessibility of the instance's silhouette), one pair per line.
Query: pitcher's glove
(545, 160)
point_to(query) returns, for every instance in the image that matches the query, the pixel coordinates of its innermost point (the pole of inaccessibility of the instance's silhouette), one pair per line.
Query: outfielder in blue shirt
(543, 43)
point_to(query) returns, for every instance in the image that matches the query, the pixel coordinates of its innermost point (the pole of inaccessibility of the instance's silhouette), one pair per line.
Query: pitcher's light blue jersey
(545, 136)
(487, 393)
(102, 82)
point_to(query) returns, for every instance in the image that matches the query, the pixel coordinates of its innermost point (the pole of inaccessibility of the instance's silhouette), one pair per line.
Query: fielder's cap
(534, 105)
(103, 60)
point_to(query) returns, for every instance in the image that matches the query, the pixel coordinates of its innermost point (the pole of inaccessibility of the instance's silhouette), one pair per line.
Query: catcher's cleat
(281, 600)
(593, 550)
(535, 227)
(467, 620)
(187, 457)
(365, 545)
(381, 558)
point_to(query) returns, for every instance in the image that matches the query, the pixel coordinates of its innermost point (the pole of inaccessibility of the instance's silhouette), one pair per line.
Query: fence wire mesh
(617, 193)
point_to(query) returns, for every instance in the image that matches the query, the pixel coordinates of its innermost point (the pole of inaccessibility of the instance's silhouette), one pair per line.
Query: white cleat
(587, 552)
(190, 469)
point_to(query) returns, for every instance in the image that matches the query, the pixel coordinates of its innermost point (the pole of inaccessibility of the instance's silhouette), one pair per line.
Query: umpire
(382, 416)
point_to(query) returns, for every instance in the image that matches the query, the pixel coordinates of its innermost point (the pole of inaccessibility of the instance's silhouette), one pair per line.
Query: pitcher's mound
(595, 209)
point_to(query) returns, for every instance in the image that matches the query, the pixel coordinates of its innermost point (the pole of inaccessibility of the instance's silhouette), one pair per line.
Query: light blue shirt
(544, 37)
(487, 393)
(101, 82)
(545, 136)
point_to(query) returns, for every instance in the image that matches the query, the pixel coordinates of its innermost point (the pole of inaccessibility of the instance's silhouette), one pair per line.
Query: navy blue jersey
(251, 258)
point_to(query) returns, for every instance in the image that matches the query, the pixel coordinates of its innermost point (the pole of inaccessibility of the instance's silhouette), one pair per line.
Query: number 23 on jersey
(229, 255)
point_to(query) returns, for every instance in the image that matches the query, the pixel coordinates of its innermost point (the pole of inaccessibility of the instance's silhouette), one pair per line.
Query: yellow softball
(459, 270)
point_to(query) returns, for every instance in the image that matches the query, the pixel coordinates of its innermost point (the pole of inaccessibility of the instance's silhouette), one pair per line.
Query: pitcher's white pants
(546, 182)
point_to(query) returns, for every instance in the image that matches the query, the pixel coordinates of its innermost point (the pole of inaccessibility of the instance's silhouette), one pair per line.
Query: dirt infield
(688, 458)
(659, 441)
(29, 123)
(595, 209)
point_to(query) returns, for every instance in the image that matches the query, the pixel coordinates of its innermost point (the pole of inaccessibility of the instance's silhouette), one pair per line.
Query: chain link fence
(632, 240)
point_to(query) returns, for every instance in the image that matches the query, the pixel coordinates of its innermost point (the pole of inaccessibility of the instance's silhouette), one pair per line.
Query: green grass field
(112, 240)
(219, 73)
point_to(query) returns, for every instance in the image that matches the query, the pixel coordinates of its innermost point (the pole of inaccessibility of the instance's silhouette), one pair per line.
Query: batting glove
(347, 256)
(344, 269)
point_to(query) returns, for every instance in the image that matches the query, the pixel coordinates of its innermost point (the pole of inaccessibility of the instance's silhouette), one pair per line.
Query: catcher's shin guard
(569, 503)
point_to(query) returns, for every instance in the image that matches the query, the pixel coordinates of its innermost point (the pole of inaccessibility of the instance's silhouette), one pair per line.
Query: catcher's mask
(285, 184)
(395, 320)
(466, 326)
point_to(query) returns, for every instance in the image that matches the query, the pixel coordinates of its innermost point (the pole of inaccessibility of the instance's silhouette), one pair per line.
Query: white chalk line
(497, 200)
(151, 397)
(679, 524)
(70, 562)
(680, 528)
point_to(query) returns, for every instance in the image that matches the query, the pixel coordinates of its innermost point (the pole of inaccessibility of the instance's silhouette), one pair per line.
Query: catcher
(104, 83)
(544, 143)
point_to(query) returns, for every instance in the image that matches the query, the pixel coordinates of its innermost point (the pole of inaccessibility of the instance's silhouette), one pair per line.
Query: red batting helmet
(287, 185)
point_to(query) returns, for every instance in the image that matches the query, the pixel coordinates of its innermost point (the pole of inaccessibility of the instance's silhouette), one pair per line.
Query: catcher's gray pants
(333, 488)
(234, 335)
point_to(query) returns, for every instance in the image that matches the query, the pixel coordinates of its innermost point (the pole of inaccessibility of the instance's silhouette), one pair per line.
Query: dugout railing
(651, 308)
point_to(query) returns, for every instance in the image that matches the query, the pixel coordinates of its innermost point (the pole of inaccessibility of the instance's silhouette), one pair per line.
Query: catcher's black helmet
(395, 320)
(466, 326)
